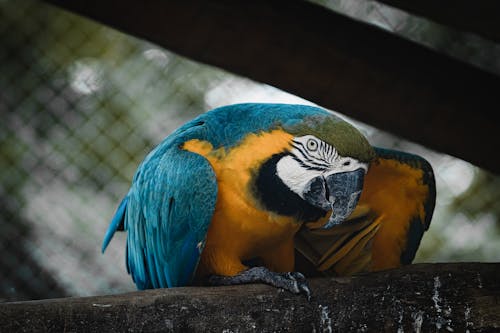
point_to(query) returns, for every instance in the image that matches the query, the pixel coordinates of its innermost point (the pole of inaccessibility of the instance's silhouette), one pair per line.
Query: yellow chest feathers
(239, 221)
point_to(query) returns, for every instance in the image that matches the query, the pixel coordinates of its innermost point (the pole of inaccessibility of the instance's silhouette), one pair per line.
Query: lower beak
(338, 192)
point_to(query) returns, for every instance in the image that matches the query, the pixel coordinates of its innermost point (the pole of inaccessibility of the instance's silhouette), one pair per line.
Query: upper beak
(338, 192)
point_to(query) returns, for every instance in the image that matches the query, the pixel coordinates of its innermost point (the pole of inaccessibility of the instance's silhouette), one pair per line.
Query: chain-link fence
(81, 105)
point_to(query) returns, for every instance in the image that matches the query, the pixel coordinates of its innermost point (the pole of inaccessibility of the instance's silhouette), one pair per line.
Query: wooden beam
(480, 17)
(342, 64)
(419, 298)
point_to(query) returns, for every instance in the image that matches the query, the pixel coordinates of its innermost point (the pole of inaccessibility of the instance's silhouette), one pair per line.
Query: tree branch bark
(416, 298)
(339, 63)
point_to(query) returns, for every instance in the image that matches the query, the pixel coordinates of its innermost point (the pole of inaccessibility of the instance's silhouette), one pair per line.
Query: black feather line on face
(276, 197)
(328, 152)
(307, 158)
(300, 148)
(305, 166)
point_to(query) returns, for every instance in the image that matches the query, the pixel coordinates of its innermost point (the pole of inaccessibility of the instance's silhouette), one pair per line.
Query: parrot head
(325, 165)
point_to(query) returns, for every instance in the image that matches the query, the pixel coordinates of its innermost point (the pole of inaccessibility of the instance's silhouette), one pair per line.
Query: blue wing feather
(170, 206)
(116, 223)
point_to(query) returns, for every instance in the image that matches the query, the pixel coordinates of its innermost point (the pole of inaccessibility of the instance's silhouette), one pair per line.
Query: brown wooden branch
(339, 63)
(479, 17)
(419, 298)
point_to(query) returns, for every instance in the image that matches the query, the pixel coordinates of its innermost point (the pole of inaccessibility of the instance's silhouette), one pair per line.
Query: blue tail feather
(116, 223)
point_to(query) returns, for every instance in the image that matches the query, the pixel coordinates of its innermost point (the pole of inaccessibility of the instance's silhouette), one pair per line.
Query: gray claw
(306, 290)
(297, 276)
(294, 282)
(300, 284)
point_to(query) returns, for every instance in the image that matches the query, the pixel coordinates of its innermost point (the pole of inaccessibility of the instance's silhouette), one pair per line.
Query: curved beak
(338, 192)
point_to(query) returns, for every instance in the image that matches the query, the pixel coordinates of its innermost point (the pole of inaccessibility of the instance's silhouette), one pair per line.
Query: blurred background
(82, 104)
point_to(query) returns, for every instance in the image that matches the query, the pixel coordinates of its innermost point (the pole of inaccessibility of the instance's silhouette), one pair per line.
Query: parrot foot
(294, 282)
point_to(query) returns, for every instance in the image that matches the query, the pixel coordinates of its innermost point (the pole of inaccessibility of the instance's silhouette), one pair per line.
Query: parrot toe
(300, 283)
(294, 282)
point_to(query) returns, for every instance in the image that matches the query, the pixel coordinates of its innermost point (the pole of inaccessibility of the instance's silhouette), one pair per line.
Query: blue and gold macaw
(236, 194)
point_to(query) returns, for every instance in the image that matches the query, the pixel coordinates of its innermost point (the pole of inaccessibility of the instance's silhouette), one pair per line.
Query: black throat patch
(276, 197)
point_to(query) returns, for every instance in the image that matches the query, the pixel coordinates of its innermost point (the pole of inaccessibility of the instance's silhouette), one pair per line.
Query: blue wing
(166, 215)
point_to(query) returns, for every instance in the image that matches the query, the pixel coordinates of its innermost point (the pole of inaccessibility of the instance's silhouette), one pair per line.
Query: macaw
(238, 193)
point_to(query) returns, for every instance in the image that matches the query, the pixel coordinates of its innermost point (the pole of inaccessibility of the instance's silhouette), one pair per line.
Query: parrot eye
(347, 163)
(312, 145)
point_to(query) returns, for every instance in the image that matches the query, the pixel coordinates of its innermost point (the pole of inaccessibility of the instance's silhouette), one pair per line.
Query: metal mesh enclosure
(82, 104)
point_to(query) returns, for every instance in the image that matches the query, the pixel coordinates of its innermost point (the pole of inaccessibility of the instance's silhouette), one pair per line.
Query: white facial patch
(293, 175)
(311, 157)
